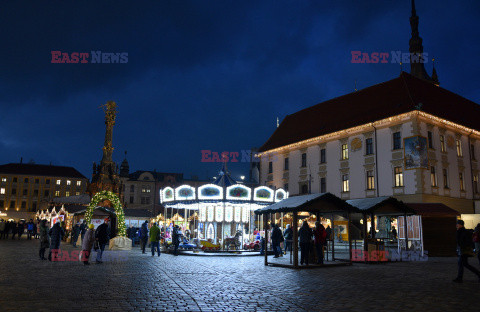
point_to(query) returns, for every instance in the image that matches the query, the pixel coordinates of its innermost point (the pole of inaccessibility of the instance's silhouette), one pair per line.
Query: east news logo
(94, 57)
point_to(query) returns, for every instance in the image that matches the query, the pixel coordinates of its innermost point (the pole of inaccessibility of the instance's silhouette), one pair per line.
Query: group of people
(308, 238)
(153, 236)
(18, 229)
(51, 238)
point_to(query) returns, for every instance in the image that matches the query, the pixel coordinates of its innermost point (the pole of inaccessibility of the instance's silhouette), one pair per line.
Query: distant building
(27, 187)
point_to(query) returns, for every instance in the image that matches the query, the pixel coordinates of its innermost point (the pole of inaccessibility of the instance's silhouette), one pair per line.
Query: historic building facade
(26, 187)
(407, 137)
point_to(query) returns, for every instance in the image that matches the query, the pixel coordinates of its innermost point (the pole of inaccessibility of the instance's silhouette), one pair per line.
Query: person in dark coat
(2, 228)
(464, 249)
(144, 236)
(13, 227)
(305, 236)
(329, 232)
(277, 238)
(20, 229)
(288, 235)
(83, 228)
(175, 240)
(476, 240)
(75, 234)
(102, 236)
(320, 240)
(30, 228)
(87, 244)
(7, 229)
(132, 234)
(56, 234)
(44, 240)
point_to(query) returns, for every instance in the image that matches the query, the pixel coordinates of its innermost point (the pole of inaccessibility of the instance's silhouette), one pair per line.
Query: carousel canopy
(224, 179)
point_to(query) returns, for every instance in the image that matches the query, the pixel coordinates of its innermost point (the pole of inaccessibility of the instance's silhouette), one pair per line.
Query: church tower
(417, 59)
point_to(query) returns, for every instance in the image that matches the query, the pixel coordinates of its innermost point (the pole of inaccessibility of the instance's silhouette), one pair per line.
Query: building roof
(83, 199)
(383, 205)
(139, 213)
(433, 210)
(397, 96)
(322, 202)
(41, 170)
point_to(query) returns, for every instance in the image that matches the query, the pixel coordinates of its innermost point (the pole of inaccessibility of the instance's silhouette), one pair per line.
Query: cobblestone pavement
(137, 282)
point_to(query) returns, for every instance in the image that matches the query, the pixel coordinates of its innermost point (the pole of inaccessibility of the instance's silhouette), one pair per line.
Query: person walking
(288, 235)
(320, 240)
(56, 234)
(75, 234)
(476, 240)
(83, 229)
(30, 227)
(144, 236)
(36, 229)
(175, 240)
(131, 233)
(2, 229)
(20, 229)
(13, 227)
(305, 235)
(44, 240)
(464, 250)
(102, 236)
(87, 244)
(277, 238)
(7, 229)
(155, 239)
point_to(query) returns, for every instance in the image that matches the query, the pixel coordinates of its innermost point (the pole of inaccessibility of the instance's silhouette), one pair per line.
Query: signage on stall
(3, 214)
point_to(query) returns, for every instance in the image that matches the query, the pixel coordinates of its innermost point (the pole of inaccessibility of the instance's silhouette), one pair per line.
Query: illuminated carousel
(217, 211)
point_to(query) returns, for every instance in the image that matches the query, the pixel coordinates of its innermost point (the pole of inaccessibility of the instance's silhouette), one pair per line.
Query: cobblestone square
(131, 281)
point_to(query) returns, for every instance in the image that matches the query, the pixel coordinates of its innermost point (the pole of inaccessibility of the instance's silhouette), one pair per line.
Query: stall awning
(322, 203)
(383, 205)
(433, 210)
(99, 208)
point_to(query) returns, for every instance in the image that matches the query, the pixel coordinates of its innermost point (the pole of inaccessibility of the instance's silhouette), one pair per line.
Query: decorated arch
(110, 196)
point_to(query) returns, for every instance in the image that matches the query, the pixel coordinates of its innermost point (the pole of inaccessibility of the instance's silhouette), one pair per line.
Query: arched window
(304, 189)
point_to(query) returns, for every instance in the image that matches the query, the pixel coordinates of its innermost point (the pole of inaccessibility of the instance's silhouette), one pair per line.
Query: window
(145, 189)
(442, 144)
(285, 165)
(35, 192)
(25, 180)
(445, 178)
(14, 191)
(2, 203)
(398, 176)
(4, 179)
(430, 139)
(370, 180)
(25, 192)
(142, 200)
(34, 206)
(77, 193)
(132, 188)
(57, 193)
(433, 176)
(67, 193)
(304, 189)
(131, 199)
(2, 190)
(270, 167)
(475, 184)
(345, 183)
(323, 185)
(37, 181)
(323, 156)
(24, 204)
(69, 182)
(472, 151)
(344, 151)
(285, 187)
(462, 184)
(459, 148)
(14, 180)
(304, 159)
(59, 182)
(369, 146)
(12, 204)
(397, 141)
(79, 183)
(47, 181)
(147, 200)
(46, 193)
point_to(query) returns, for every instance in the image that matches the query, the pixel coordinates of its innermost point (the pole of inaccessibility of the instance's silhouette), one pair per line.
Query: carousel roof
(224, 179)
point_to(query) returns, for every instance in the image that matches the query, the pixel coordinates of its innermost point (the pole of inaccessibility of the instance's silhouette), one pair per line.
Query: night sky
(202, 75)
